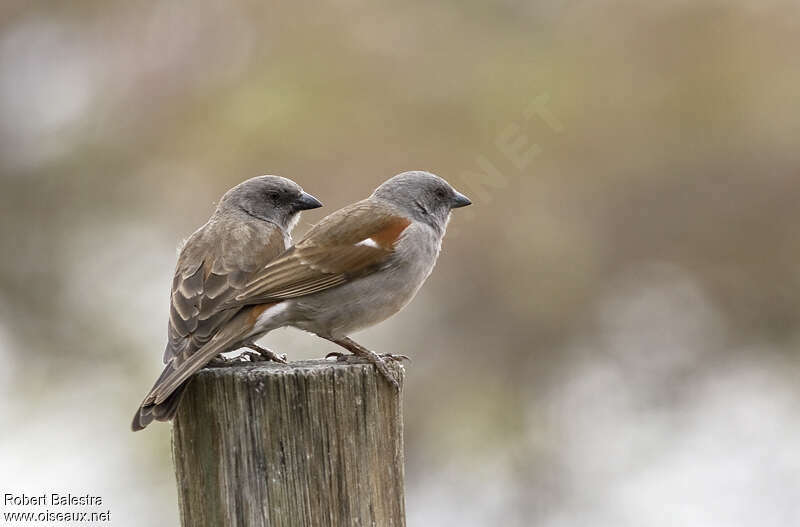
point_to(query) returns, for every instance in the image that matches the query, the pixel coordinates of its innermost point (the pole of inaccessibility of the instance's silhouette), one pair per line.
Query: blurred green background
(610, 335)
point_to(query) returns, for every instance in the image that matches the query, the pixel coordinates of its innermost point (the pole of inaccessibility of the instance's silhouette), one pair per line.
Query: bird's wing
(178, 371)
(346, 244)
(213, 267)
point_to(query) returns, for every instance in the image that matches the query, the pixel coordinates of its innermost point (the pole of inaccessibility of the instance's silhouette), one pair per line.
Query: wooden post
(310, 443)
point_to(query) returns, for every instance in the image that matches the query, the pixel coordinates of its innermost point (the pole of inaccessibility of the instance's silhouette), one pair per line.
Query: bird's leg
(263, 354)
(357, 349)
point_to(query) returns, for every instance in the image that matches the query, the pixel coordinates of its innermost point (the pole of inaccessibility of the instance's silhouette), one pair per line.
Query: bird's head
(271, 198)
(423, 196)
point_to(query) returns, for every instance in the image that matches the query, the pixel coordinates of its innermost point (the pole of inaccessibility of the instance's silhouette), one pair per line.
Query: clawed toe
(338, 355)
(260, 354)
(220, 360)
(247, 356)
(392, 356)
(274, 357)
(388, 375)
(380, 362)
(250, 356)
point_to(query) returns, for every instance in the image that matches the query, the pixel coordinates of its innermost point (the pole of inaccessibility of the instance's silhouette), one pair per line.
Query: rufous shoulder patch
(388, 235)
(256, 311)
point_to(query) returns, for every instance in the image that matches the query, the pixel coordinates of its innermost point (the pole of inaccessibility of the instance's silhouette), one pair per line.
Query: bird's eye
(440, 193)
(272, 195)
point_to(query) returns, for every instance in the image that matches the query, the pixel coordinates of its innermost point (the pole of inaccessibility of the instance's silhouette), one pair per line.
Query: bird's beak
(306, 201)
(460, 200)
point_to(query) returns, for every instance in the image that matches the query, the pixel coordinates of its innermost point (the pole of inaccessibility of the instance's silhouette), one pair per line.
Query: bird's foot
(380, 363)
(394, 357)
(339, 356)
(378, 360)
(260, 354)
(222, 360)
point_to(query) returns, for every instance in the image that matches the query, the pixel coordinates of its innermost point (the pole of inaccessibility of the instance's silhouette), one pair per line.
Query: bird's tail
(161, 403)
(164, 411)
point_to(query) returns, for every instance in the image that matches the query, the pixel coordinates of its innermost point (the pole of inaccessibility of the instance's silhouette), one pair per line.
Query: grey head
(424, 196)
(270, 198)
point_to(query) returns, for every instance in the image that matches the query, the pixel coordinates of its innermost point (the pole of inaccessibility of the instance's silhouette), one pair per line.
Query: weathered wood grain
(305, 444)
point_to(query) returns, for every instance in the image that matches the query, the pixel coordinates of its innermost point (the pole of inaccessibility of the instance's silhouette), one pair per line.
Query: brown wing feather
(354, 223)
(178, 371)
(213, 267)
(328, 255)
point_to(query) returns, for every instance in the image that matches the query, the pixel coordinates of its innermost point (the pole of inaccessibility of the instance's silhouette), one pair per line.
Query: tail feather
(162, 401)
(174, 377)
(149, 411)
(165, 411)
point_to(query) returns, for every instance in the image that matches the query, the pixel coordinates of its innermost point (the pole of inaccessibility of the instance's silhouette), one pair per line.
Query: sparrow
(251, 226)
(355, 268)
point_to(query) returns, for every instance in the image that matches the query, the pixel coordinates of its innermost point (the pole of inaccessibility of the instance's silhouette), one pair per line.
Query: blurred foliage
(674, 168)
